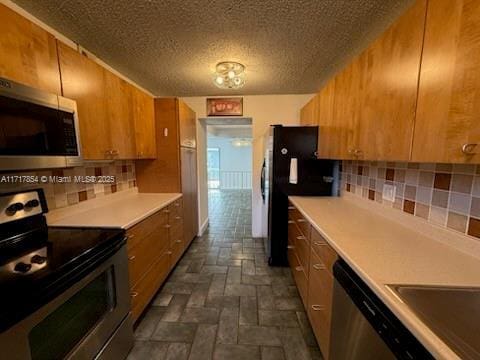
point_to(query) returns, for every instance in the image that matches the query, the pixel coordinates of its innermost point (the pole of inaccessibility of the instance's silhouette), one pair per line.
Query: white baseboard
(203, 227)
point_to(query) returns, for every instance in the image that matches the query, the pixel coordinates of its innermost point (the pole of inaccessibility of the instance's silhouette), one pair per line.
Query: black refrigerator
(282, 176)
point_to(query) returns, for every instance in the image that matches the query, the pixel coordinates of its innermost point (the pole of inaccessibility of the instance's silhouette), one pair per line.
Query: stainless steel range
(64, 291)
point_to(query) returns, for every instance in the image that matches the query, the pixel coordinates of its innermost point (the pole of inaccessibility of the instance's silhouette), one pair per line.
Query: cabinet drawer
(176, 249)
(302, 250)
(326, 253)
(299, 276)
(155, 222)
(300, 220)
(145, 252)
(320, 293)
(176, 208)
(148, 285)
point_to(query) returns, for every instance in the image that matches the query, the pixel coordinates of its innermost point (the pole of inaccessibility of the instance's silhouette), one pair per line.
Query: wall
(68, 193)
(264, 110)
(232, 158)
(447, 195)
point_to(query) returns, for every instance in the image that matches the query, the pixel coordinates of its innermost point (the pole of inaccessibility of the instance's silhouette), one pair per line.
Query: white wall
(232, 158)
(264, 110)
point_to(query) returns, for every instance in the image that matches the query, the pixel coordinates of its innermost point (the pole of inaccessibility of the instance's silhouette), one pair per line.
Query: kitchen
(359, 241)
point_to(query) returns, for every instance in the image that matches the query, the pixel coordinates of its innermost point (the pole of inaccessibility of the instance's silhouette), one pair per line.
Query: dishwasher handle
(396, 336)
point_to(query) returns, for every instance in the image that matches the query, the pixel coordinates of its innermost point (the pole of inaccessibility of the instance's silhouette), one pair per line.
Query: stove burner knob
(32, 203)
(12, 209)
(22, 267)
(37, 259)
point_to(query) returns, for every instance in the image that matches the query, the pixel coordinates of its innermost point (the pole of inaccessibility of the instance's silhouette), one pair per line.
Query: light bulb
(237, 81)
(219, 80)
(231, 74)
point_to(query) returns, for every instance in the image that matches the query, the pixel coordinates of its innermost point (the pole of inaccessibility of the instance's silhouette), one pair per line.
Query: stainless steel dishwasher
(363, 327)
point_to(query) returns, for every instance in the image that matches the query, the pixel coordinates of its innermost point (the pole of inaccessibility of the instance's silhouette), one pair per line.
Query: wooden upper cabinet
(120, 116)
(448, 110)
(144, 124)
(389, 88)
(187, 119)
(28, 53)
(83, 80)
(338, 113)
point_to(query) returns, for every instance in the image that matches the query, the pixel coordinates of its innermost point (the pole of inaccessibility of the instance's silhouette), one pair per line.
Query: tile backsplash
(444, 194)
(116, 176)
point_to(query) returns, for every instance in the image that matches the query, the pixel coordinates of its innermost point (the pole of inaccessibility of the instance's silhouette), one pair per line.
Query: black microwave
(37, 129)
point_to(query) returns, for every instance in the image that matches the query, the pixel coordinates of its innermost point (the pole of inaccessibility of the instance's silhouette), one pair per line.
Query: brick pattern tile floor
(223, 301)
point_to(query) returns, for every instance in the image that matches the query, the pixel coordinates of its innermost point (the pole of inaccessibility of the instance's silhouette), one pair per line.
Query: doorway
(229, 174)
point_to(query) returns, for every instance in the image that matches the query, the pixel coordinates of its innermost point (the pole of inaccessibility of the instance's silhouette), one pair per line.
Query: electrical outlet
(389, 192)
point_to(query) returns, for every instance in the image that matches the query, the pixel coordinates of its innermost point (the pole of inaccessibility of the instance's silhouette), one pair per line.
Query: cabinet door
(83, 80)
(28, 53)
(120, 116)
(144, 123)
(449, 92)
(187, 120)
(189, 190)
(339, 113)
(389, 89)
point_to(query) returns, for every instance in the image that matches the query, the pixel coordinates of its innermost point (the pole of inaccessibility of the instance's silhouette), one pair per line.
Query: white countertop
(385, 246)
(120, 210)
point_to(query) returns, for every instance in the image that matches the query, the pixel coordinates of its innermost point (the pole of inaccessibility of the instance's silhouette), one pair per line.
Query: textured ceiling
(170, 47)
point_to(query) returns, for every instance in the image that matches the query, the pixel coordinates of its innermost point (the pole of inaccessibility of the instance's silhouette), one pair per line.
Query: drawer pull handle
(131, 236)
(177, 217)
(301, 220)
(177, 204)
(169, 252)
(132, 257)
(134, 294)
(291, 208)
(299, 268)
(319, 267)
(318, 243)
(317, 307)
(301, 237)
(178, 241)
(166, 211)
(469, 149)
(290, 247)
(168, 226)
(291, 221)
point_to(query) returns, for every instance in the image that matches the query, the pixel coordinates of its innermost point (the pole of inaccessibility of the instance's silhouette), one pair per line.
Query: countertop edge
(60, 221)
(421, 331)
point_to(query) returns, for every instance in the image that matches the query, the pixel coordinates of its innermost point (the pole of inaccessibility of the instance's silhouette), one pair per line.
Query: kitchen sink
(452, 313)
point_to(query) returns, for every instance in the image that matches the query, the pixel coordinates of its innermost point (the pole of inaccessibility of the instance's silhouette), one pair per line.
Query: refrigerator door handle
(262, 181)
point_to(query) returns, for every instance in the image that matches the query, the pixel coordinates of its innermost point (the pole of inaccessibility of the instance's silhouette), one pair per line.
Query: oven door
(37, 129)
(89, 320)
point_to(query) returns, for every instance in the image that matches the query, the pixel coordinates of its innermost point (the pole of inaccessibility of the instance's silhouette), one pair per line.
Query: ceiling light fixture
(241, 142)
(229, 75)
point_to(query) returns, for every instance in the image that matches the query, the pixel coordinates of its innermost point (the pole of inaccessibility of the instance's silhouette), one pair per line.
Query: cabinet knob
(169, 252)
(168, 226)
(318, 307)
(166, 211)
(298, 268)
(178, 241)
(469, 149)
(134, 294)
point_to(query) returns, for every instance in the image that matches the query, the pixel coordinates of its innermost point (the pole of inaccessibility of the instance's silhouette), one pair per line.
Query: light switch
(389, 192)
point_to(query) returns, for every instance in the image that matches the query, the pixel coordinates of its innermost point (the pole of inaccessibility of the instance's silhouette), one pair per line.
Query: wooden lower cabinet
(311, 259)
(154, 247)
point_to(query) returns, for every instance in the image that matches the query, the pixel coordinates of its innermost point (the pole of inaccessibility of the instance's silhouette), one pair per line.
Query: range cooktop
(38, 262)
(453, 313)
